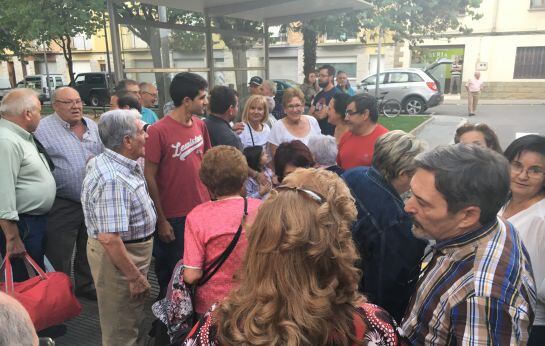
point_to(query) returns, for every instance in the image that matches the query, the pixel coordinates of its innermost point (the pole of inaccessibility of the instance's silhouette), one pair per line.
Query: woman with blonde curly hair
(298, 282)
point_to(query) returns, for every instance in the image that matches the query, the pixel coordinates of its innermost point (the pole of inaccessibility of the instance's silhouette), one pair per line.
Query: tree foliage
(50, 20)
(406, 20)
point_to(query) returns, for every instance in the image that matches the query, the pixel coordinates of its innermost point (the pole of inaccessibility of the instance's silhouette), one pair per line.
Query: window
(95, 79)
(373, 80)
(80, 80)
(58, 82)
(413, 77)
(530, 63)
(398, 77)
(537, 4)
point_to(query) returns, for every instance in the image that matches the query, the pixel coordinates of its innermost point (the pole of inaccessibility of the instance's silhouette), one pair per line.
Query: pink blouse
(209, 228)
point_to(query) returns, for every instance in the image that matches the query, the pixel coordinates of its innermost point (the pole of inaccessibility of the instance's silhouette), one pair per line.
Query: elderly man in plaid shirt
(478, 288)
(71, 140)
(120, 218)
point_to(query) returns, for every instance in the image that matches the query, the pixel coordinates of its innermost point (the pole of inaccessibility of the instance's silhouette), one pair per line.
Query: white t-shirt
(530, 224)
(259, 137)
(280, 134)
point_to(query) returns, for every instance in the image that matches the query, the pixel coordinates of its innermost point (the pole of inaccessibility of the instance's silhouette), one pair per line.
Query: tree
(187, 41)
(239, 45)
(407, 20)
(51, 20)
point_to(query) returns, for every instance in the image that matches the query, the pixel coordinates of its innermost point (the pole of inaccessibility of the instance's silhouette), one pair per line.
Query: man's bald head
(16, 327)
(18, 101)
(22, 107)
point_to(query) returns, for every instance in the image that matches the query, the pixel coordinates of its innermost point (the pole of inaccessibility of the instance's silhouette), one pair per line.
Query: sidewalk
(455, 100)
(439, 130)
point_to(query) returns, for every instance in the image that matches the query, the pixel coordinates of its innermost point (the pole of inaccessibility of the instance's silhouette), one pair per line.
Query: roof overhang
(273, 12)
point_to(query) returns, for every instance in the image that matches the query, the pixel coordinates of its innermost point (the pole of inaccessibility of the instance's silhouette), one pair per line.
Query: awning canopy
(273, 12)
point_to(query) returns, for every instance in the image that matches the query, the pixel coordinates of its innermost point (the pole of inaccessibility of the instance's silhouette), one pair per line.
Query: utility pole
(46, 72)
(379, 48)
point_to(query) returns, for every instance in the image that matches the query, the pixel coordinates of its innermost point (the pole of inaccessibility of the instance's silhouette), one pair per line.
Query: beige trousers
(472, 101)
(120, 315)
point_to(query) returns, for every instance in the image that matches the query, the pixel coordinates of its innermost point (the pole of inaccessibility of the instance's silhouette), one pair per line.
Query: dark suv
(94, 88)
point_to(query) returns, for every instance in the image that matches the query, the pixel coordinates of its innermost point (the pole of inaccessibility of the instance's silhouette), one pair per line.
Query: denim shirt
(390, 253)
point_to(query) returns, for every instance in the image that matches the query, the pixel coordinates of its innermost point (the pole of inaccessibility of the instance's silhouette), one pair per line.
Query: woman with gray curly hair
(382, 232)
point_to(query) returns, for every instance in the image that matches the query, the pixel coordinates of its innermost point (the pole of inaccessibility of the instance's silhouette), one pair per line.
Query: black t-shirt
(221, 132)
(322, 100)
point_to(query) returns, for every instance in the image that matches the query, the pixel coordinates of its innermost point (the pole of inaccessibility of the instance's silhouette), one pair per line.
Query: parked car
(416, 89)
(94, 88)
(38, 83)
(5, 87)
(281, 86)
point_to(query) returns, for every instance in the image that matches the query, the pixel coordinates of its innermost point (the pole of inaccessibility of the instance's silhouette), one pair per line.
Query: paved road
(506, 120)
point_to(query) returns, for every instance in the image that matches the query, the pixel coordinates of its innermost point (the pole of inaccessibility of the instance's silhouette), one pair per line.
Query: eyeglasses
(311, 194)
(350, 113)
(70, 102)
(150, 94)
(294, 106)
(533, 172)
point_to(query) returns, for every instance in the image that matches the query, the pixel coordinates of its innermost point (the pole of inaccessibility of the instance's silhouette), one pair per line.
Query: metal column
(116, 43)
(209, 52)
(266, 47)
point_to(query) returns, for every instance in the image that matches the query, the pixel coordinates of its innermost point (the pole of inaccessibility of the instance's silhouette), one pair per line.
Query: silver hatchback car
(414, 88)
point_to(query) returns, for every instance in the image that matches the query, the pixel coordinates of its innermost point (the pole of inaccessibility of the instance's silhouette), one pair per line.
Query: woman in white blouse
(254, 117)
(295, 125)
(526, 211)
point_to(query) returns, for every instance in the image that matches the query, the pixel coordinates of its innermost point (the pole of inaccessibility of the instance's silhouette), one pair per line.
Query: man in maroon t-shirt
(174, 152)
(357, 144)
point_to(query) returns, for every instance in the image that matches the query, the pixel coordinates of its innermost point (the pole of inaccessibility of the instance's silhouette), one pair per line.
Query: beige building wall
(492, 47)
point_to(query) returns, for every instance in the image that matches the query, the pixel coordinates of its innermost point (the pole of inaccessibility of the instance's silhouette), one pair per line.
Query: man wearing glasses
(148, 97)
(320, 103)
(71, 140)
(356, 145)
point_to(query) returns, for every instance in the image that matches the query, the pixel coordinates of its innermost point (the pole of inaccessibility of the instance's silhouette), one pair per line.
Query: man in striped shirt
(478, 287)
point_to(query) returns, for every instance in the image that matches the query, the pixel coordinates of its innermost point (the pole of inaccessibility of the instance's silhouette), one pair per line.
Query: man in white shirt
(474, 86)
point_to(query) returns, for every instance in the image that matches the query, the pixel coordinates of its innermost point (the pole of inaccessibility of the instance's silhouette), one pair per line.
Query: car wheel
(415, 105)
(94, 100)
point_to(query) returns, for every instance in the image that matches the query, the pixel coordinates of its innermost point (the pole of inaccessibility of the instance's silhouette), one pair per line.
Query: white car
(416, 89)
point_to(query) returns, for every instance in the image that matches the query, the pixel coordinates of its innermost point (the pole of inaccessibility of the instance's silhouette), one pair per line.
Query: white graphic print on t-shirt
(183, 151)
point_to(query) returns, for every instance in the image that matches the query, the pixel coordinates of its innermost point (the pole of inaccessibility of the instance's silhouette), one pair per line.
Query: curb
(419, 128)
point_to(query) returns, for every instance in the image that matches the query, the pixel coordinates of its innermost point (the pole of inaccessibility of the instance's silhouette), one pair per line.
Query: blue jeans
(32, 233)
(168, 254)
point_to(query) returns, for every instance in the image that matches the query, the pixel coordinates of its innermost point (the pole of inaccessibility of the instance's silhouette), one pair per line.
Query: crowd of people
(339, 231)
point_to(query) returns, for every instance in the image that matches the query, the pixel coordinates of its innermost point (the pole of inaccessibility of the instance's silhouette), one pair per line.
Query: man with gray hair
(324, 149)
(382, 232)
(27, 187)
(478, 287)
(148, 97)
(120, 219)
(71, 140)
(16, 328)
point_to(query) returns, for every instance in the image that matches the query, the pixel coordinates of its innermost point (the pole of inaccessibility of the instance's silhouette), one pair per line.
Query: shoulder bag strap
(217, 263)
(251, 134)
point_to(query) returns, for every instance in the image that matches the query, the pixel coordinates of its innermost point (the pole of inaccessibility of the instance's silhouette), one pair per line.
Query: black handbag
(175, 311)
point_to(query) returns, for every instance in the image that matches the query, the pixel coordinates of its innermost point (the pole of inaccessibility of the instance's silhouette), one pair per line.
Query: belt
(141, 240)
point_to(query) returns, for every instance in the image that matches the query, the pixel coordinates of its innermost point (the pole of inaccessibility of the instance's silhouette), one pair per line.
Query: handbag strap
(8, 271)
(251, 133)
(217, 263)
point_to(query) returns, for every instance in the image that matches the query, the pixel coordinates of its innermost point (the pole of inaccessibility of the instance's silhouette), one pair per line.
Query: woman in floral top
(298, 282)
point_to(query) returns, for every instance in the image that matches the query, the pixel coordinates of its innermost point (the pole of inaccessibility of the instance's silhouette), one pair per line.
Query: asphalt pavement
(508, 120)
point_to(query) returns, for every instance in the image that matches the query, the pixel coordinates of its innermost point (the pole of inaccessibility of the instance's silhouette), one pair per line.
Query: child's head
(256, 157)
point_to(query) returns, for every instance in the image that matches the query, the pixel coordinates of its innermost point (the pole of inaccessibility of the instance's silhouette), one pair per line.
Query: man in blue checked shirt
(478, 288)
(71, 140)
(120, 218)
